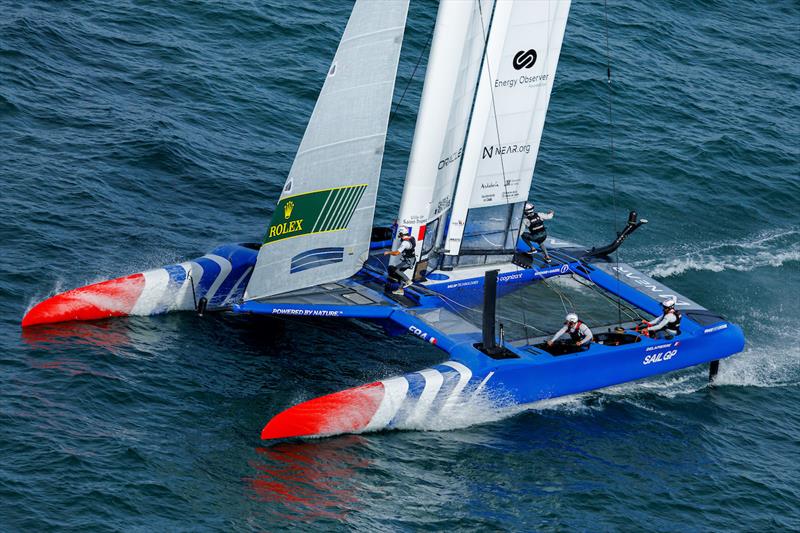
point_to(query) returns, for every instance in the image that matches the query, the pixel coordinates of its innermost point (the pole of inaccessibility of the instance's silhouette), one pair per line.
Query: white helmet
(528, 207)
(571, 317)
(402, 231)
(669, 302)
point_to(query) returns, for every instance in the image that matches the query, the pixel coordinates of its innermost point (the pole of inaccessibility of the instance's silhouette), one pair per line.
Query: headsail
(517, 76)
(321, 226)
(447, 96)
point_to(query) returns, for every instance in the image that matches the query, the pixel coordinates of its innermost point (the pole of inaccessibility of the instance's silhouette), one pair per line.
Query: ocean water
(135, 134)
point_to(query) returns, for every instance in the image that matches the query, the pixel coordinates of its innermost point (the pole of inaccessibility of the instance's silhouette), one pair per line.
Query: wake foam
(762, 366)
(771, 249)
(468, 410)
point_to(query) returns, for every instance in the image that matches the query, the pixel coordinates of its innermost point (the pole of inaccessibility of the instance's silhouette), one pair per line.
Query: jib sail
(320, 230)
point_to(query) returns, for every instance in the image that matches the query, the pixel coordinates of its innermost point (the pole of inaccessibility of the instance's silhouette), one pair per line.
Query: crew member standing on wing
(579, 332)
(408, 257)
(668, 324)
(534, 230)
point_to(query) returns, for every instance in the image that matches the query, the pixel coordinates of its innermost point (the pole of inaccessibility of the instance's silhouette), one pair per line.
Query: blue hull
(527, 372)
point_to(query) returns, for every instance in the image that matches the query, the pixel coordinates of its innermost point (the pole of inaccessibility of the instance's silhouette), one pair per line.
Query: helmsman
(666, 325)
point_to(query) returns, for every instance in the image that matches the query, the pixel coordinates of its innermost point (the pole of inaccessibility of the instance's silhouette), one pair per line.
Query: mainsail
(447, 96)
(320, 230)
(516, 79)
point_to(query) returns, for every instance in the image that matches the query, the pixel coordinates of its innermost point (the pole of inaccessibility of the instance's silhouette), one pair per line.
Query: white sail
(447, 95)
(508, 118)
(320, 230)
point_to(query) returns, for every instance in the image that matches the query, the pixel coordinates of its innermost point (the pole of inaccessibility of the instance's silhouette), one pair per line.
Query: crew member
(408, 256)
(534, 230)
(579, 333)
(668, 324)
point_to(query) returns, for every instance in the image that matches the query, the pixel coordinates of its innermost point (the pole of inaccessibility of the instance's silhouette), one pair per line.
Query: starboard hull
(472, 387)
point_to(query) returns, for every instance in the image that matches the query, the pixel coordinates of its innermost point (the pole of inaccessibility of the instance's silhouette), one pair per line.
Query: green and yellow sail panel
(314, 212)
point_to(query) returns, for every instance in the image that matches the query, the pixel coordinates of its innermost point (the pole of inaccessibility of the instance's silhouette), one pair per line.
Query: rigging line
(410, 79)
(454, 310)
(574, 307)
(611, 155)
(560, 295)
(633, 313)
(525, 324)
(629, 312)
(504, 317)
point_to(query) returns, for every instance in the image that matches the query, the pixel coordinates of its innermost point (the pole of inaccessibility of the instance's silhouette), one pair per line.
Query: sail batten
(326, 208)
(345, 141)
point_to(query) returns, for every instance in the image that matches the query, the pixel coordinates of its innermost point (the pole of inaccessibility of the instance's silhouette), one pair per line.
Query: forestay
(320, 230)
(517, 76)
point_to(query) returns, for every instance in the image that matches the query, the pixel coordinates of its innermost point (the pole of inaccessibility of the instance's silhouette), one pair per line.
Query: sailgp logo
(524, 59)
(287, 209)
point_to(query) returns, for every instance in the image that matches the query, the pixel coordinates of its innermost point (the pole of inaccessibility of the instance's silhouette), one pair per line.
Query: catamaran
(486, 91)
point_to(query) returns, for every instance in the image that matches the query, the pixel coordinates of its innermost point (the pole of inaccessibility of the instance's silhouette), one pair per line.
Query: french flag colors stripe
(115, 297)
(171, 288)
(342, 412)
(401, 402)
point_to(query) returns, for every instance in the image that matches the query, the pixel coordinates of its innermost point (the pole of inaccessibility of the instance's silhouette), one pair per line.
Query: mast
(447, 94)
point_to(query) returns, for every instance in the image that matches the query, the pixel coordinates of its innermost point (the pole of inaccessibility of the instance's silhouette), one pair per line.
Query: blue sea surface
(134, 134)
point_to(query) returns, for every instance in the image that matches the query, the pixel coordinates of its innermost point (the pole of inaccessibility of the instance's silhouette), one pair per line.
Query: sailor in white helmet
(534, 230)
(666, 325)
(408, 256)
(579, 332)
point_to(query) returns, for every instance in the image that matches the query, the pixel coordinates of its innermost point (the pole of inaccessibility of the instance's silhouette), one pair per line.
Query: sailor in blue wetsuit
(579, 333)
(534, 230)
(668, 324)
(407, 250)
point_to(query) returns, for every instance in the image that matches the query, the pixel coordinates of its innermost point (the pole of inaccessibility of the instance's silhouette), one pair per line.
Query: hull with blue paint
(472, 383)
(469, 382)
(219, 277)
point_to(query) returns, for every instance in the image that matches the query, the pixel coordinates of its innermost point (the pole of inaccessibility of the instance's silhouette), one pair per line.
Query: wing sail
(447, 96)
(519, 67)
